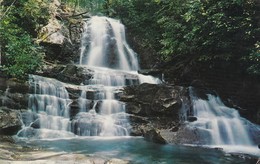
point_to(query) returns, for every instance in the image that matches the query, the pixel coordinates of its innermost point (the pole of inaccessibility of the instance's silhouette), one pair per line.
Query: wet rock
(153, 100)
(15, 100)
(136, 125)
(153, 72)
(155, 109)
(192, 119)
(28, 117)
(74, 75)
(186, 135)
(16, 86)
(174, 129)
(36, 124)
(51, 70)
(153, 135)
(70, 73)
(13, 93)
(98, 107)
(10, 122)
(134, 109)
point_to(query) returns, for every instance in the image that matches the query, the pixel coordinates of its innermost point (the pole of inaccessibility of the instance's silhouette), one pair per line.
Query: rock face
(9, 121)
(13, 97)
(61, 36)
(14, 94)
(70, 73)
(153, 100)
(155, 109)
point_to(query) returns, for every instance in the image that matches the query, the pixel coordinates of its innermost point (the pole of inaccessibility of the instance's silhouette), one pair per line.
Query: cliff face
(61, 36)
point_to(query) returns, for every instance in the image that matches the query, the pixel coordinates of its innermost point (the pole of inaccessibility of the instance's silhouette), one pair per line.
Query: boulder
(74, 75)
(153, 135)
(154, 109)
(61, 36)
(192, 118)
(51, 33)
(153, 100)
(10, 122)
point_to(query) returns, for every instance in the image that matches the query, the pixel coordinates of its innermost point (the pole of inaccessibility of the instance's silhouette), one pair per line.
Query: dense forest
(191, 31)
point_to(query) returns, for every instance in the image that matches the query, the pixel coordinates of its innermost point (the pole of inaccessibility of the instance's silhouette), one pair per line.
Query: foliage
(20, 55)
(139, 18)
(208, 29)
(195, 30)
(94, 6)
(34, 15)
(170, 19)
(253, 60)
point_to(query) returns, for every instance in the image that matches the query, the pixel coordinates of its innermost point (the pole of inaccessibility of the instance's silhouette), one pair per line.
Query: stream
(137, 150)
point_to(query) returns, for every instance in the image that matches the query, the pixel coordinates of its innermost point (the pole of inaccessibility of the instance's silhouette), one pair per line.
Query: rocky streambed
(11, 152)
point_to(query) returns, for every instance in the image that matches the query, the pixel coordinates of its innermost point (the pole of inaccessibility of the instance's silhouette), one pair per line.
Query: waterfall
(114, 64)
(49, 106)
(221, 126)
(104, 45)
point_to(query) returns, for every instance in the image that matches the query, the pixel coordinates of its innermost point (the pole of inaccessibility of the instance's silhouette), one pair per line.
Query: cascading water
(221, 126)
(104, 45)
(105, 51)
(48, 115)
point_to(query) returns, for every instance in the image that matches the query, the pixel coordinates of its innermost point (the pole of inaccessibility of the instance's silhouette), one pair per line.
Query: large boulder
(155, 109)
(61, 36)
(10, 122)
(153, 100)
(153, 135)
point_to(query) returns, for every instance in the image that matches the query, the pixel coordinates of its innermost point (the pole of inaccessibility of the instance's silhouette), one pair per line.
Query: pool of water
(137, 150)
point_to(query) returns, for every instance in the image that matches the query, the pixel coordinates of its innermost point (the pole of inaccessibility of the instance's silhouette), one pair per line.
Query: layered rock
(156, 111)
(14, 94)
(70, 73)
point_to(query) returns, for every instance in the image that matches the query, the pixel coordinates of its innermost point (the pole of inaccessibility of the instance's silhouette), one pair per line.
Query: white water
(221, 126)
(104, 45)
(104, 50)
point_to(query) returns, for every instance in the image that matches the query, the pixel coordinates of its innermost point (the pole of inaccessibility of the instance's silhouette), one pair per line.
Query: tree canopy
(196, 30)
